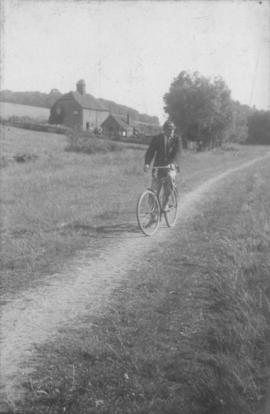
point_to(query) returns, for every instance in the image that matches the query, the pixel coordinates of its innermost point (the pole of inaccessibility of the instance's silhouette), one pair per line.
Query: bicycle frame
(167, 181)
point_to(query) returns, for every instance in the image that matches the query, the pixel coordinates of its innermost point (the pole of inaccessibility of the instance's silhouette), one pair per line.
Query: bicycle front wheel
(148, 212)
(171, 213)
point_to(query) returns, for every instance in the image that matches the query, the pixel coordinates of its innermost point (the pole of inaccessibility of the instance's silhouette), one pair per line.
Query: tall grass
(226, 359)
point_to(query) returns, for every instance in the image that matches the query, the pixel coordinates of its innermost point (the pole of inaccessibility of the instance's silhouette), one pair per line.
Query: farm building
(116, 126)
(120, 126)
(78, 110)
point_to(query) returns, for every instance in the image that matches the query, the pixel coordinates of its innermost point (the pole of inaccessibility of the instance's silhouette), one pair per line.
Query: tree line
(203, 111)
(45, 100)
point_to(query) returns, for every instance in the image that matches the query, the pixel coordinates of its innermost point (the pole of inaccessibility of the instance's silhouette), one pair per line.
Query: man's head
(168, 128)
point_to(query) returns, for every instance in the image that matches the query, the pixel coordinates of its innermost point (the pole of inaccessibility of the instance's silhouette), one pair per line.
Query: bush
(90, 144)
(25, 157)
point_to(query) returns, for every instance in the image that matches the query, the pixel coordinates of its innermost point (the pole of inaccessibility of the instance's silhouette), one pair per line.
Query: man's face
(168, 130)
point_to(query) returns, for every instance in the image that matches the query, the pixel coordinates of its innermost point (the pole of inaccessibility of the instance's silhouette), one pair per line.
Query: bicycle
(150, 205)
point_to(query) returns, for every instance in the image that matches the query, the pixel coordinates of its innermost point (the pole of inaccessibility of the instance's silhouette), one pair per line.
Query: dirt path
(36, 315)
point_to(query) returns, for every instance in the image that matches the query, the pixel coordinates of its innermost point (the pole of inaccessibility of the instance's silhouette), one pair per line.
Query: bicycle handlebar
(157, 167)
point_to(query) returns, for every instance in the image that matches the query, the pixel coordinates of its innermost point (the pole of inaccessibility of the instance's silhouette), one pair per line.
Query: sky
(130, 51)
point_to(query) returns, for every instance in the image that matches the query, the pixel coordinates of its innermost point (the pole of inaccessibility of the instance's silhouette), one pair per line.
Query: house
(117, 126)
(78, 110)
(121, 126)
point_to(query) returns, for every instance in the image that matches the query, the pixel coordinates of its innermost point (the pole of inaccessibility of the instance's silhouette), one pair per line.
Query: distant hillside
(35, 98)
(45, 100)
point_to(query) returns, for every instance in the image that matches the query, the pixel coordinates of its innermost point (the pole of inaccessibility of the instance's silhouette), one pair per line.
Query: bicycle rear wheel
(148, 212)
(171, 213)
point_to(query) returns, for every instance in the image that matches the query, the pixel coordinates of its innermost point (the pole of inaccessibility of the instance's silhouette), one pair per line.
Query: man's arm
(175, 155)
(149, 155)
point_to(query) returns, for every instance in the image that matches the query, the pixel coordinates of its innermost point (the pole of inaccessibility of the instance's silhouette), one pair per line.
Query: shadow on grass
(107, 230)
(119, 228)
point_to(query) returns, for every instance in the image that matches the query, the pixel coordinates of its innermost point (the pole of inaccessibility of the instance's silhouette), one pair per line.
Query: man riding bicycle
(164, 149)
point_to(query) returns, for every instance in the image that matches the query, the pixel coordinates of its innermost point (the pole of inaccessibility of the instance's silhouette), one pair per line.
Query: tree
(201, 109)
(259, 128)
(52, 97)
(238, 131)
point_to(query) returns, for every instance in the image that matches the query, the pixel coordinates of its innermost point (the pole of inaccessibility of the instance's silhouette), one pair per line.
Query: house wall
(110, 127)
(94, 118)
(112, 131)
(67, 112)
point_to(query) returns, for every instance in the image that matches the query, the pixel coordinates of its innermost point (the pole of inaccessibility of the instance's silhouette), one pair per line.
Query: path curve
(35, 315)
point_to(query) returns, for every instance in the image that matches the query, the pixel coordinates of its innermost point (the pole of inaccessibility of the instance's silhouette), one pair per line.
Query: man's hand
(146, 168)
(174, 167)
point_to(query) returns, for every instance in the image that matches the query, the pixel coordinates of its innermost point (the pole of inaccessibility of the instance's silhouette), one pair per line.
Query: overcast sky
(130, 51)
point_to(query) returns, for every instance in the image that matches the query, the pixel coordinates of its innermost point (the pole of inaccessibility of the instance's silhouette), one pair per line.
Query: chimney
(81, 87)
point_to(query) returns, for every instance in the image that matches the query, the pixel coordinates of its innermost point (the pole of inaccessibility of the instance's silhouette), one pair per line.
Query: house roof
(121, 121)
(86, 101)
(141, 127)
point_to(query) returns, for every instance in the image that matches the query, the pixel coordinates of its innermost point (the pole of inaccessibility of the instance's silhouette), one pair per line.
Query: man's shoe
(166, 208)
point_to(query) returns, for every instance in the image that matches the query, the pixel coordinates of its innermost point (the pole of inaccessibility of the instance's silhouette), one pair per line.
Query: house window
(124, 133)
(87, 126)
(75, 112)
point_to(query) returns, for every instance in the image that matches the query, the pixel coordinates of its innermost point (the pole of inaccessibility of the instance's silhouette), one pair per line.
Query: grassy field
(54, 203)
(186, 335)
(9, 109)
